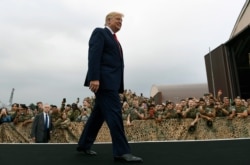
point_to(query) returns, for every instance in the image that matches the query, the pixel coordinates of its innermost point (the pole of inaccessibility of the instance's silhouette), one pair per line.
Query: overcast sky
(44, 43)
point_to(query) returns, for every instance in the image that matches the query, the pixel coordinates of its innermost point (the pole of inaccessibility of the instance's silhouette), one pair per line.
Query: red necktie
(115, 37)
(118, 44)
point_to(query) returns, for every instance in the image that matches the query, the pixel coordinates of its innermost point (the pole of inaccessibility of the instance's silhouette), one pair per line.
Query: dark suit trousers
(46, 137)
(107, 108)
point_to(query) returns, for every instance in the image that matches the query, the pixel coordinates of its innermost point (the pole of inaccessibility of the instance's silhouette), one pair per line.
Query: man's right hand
(94, 85)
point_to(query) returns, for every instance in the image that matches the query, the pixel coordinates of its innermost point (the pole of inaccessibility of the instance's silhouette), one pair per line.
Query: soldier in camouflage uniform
(151, 112)
(135, 112)
(74, 112)
(125, 110)
(171, 111)
(160, 113)
(12, 111)
(67, 108)
(55, 113)
(63, 122)
(179, 110)
(39, 107)
(87, 106)
(207, 112)
(223, 108)
(183, 104)
(238, 110)
(62, 108)
(192, 112)
(23, 116)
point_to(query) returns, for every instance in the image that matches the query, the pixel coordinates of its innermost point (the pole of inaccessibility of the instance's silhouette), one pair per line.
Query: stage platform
(212, 152)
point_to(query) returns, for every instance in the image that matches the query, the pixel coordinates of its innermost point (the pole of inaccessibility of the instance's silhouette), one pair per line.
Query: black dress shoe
(87, 152)
(128, 158)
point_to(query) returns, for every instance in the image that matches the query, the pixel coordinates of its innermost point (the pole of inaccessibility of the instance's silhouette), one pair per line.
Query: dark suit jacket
(38, 129)
(105, 61)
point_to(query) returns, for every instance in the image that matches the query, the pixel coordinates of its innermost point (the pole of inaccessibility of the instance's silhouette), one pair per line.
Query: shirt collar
(110, 29)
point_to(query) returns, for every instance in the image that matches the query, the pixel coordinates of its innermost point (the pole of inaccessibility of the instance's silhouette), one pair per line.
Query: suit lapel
(115, 41)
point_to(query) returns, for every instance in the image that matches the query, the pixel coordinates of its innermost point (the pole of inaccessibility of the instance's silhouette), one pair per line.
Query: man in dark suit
(42, 126)
(105, 79)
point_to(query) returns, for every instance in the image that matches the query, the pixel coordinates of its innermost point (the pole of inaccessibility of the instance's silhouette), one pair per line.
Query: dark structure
(228, 65)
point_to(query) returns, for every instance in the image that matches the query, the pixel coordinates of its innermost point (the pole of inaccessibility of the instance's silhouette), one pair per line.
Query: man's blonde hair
(111, 15)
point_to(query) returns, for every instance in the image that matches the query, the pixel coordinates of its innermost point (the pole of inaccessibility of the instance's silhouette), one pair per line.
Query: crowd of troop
(134, 107)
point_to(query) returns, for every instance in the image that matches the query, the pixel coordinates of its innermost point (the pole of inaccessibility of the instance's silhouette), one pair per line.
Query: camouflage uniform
(25, 118)
(192, 113)
(62, 123)
(73, 114)
(133, 113)
(171, 113)
(125, 113)
(240, 109)
(55, 116)
(160, 114)
(220, 111)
